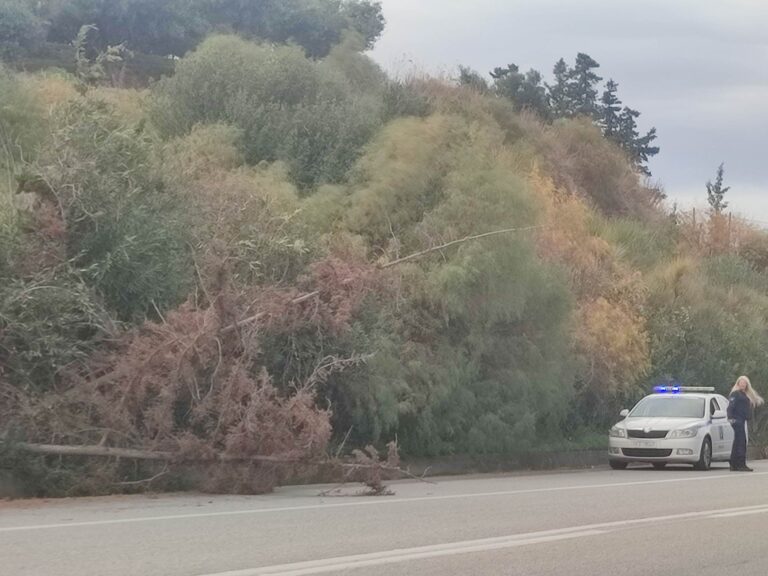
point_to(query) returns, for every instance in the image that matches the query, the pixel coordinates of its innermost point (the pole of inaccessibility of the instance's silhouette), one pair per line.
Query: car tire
(705, 455)
(617, 464)
(659, 465)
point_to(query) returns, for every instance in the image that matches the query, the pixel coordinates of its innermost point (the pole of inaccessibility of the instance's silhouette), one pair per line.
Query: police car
(676, 424)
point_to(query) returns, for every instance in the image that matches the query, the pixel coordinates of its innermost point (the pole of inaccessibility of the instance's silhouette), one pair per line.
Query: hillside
(218, 265)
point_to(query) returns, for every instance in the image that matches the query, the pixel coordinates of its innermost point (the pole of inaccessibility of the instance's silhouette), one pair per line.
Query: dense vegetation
(574, 92)
(172, 27)
(214, 265)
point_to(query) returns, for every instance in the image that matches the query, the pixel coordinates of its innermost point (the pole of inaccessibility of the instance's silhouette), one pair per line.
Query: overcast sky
(696, 69)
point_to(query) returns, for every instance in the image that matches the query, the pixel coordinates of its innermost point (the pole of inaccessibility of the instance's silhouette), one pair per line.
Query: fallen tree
(192, 390)
(185, 390)
(366, 466)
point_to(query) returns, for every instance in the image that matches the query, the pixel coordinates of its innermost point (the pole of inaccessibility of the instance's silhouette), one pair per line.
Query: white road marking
(406, 555)
(763, 510)
(357, 561)
(378, 501)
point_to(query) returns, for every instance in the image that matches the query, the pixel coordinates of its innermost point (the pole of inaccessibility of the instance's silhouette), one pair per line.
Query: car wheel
(617, 464)
(659, 465)
(705, 456)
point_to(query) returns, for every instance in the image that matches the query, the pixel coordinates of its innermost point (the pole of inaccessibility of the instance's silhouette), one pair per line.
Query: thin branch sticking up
(454, 243)
(343, 443)
(310, 295)
(402, 260)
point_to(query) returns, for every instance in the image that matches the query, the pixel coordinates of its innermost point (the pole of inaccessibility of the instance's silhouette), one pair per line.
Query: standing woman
(741, 404)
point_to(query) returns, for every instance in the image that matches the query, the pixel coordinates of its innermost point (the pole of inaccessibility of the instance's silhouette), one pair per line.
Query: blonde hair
(754, 398)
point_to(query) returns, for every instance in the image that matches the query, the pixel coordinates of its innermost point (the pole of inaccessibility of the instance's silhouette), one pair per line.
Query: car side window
(723, 403)
(713, 407)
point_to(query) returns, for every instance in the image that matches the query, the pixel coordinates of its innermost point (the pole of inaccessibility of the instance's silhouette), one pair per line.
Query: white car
(677, 424)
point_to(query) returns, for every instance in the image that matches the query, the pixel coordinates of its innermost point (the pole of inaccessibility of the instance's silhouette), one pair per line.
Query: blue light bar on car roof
(666, 389)
(680, 389)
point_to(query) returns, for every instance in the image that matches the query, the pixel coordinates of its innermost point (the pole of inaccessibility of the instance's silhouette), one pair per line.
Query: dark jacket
(739, 407)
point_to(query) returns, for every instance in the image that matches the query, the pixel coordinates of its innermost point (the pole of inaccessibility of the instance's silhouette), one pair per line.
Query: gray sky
(696, 69)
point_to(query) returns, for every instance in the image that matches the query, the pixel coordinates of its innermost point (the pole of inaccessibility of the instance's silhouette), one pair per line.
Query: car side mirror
(719, 415)
(624, 413)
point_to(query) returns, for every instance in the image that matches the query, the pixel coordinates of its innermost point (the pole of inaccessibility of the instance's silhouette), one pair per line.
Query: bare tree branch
(257, 317)
(413, 256)
(102, 451)
(453, 243)
(164, 456)
(160, 474)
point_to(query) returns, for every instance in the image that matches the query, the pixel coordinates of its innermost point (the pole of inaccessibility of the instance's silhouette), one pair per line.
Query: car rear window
(669, 407)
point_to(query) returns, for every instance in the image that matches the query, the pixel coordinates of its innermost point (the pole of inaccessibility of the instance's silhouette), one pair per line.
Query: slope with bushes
(268, 254)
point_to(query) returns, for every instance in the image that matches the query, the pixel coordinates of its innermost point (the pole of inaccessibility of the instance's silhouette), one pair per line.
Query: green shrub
(707, 323)
(21, 122)
(126, 234)
(640, 243)
(47, 324)
(289, 108)
(583, 161)
(21, 129)
(476, 354)
(21, 31)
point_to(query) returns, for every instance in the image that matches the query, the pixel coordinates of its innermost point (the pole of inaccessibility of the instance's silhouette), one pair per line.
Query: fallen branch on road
(369, 463)
(145, 481)
(131, 453)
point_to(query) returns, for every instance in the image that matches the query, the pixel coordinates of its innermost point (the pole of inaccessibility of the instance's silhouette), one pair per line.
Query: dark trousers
(739, 448)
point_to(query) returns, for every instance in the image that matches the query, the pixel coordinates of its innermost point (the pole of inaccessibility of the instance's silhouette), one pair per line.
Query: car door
(727, 428)
(720, 447)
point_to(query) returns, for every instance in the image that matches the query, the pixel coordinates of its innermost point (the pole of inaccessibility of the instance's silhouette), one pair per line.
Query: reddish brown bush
(193, 385)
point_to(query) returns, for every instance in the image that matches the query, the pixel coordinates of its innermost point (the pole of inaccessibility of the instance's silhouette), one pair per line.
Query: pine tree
(533, 94)
(638, 148)
(526, 90)
(627, 129)
(610, 109)
(559, 101)
(581, 86)
(716, 192)
(472, 79)
(508, 81)
(574, 92)
(642, 150)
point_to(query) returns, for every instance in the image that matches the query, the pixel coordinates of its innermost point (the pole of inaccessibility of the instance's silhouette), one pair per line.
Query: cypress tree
(716, 192)
(559, 101)
(582, 89)
(610, 109)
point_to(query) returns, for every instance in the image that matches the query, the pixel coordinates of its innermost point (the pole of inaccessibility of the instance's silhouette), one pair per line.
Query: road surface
(597, 523)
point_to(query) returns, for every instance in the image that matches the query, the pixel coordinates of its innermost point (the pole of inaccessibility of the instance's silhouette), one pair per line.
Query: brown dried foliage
(193, 384)
(709, 233)
(44, 241)
(373, 469)
(584, 163)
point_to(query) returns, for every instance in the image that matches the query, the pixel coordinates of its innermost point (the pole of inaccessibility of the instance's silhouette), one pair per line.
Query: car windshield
(669, 407)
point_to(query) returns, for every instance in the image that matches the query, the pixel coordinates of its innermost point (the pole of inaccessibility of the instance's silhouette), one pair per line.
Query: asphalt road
(593, 523)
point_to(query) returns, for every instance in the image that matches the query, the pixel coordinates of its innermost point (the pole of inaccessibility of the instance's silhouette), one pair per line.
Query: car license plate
(644, 444)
